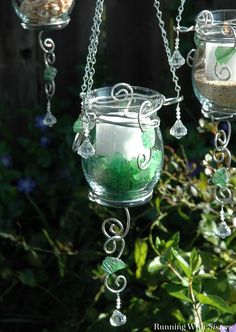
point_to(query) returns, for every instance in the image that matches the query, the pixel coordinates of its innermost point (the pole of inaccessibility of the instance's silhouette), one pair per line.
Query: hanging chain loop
(92, 50)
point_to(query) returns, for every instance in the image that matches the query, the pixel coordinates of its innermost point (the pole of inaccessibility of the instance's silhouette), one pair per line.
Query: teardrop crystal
(117, 318)
(49, 119)
(86, 149)
(177, 60)
(178, 130)
(223, 230)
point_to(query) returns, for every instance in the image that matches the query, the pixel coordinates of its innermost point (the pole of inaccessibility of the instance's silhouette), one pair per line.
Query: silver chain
(92, 49)
(178, 20)
(175, 78)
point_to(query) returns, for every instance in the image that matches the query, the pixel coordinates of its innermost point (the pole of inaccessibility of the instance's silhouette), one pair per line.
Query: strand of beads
(223, 194)
(115, 233)
(50, 72)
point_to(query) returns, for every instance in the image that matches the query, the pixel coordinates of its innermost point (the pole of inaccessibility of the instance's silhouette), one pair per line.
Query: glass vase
(128, 145)
(43, 14)
(214, 67)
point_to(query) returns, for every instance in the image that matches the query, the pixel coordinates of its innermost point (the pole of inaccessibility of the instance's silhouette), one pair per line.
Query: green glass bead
(221, 178)
(78, 126)
(111, 264)
(148, 138)
(50, 74)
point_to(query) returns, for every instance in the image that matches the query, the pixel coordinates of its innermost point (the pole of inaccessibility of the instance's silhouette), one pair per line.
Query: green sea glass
(111, 265)
(221, 178)
(50, 73)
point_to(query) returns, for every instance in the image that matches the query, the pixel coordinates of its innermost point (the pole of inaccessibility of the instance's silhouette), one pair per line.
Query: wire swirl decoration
(122, 91)
(115, 232)
(222, 155)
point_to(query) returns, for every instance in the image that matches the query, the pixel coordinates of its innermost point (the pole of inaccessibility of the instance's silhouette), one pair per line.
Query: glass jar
(128, 145)
(43, 14)
(214, 67)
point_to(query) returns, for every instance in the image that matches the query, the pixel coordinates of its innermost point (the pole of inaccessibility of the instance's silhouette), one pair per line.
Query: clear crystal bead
(49, 119)
(177, 60)
(86, 149)
(117, 318)
(178, 130)
(223, 230)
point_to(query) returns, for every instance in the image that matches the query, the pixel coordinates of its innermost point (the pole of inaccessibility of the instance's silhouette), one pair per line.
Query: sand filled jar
(214, 67)
(128, 147)
(43, 14)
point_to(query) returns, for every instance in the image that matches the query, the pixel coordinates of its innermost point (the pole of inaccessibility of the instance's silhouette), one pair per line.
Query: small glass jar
(214, 67)
(43, 14)
(128, 145)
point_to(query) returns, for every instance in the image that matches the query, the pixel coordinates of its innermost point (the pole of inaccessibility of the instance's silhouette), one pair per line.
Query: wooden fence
(133, 49)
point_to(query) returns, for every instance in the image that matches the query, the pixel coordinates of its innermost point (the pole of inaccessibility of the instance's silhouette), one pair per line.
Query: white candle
(112, 138)
(210, 63)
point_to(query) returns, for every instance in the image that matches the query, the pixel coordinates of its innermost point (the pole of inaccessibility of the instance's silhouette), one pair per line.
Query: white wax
(210, 62)
(111, 139)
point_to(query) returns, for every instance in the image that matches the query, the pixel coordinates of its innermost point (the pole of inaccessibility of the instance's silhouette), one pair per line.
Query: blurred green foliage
(51, 244)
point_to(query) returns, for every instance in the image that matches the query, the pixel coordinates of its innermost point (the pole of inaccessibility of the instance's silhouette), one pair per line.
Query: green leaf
(195, 261)
(27, 278)
(178, 291)
(182, 263)
(224, 54)
(155, 265)
(214, 301)
(140, 255)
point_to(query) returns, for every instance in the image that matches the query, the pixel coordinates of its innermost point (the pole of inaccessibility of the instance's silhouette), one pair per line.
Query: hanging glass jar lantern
(214, 83)
(43, 14)
(214, 65)
(122, 156)
(118, 137)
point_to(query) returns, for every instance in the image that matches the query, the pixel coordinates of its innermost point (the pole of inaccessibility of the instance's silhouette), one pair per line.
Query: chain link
(92, 49)
(178, 20)
(175, 78)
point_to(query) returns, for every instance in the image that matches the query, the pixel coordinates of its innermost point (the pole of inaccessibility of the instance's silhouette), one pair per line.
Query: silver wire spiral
(115, 232)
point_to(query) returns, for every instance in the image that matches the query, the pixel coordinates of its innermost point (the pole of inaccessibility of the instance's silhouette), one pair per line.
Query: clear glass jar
(128, 146)
(214, 67)
(43, 14)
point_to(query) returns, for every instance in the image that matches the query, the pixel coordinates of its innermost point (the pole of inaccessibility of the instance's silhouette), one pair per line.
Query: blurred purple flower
(223, 329)
(26, 185)
(232, 328)
(6, 160)
(44, 141)
(226, 329)
(194, 168)
(65, 173)
(38, 122)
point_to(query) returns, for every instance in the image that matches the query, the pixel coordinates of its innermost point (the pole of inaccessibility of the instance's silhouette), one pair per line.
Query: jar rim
(121, 96)
(216, 24)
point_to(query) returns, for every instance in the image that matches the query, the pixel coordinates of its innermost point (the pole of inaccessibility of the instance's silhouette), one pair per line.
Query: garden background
(50, 234)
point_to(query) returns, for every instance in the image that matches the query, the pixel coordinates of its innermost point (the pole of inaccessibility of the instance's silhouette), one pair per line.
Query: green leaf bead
(221, 178)
(111, 264)
(148, 138)
(224, 54)
(78, 126)
(50, 73)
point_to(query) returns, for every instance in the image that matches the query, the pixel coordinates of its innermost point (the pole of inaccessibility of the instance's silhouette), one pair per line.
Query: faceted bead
(223, 230)
(148, 138)
(178, 130)
(221, 178)
(117, 318)
(49, 119)
(50, 73)
(86, 150)
(111, 265)
(177, 60)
